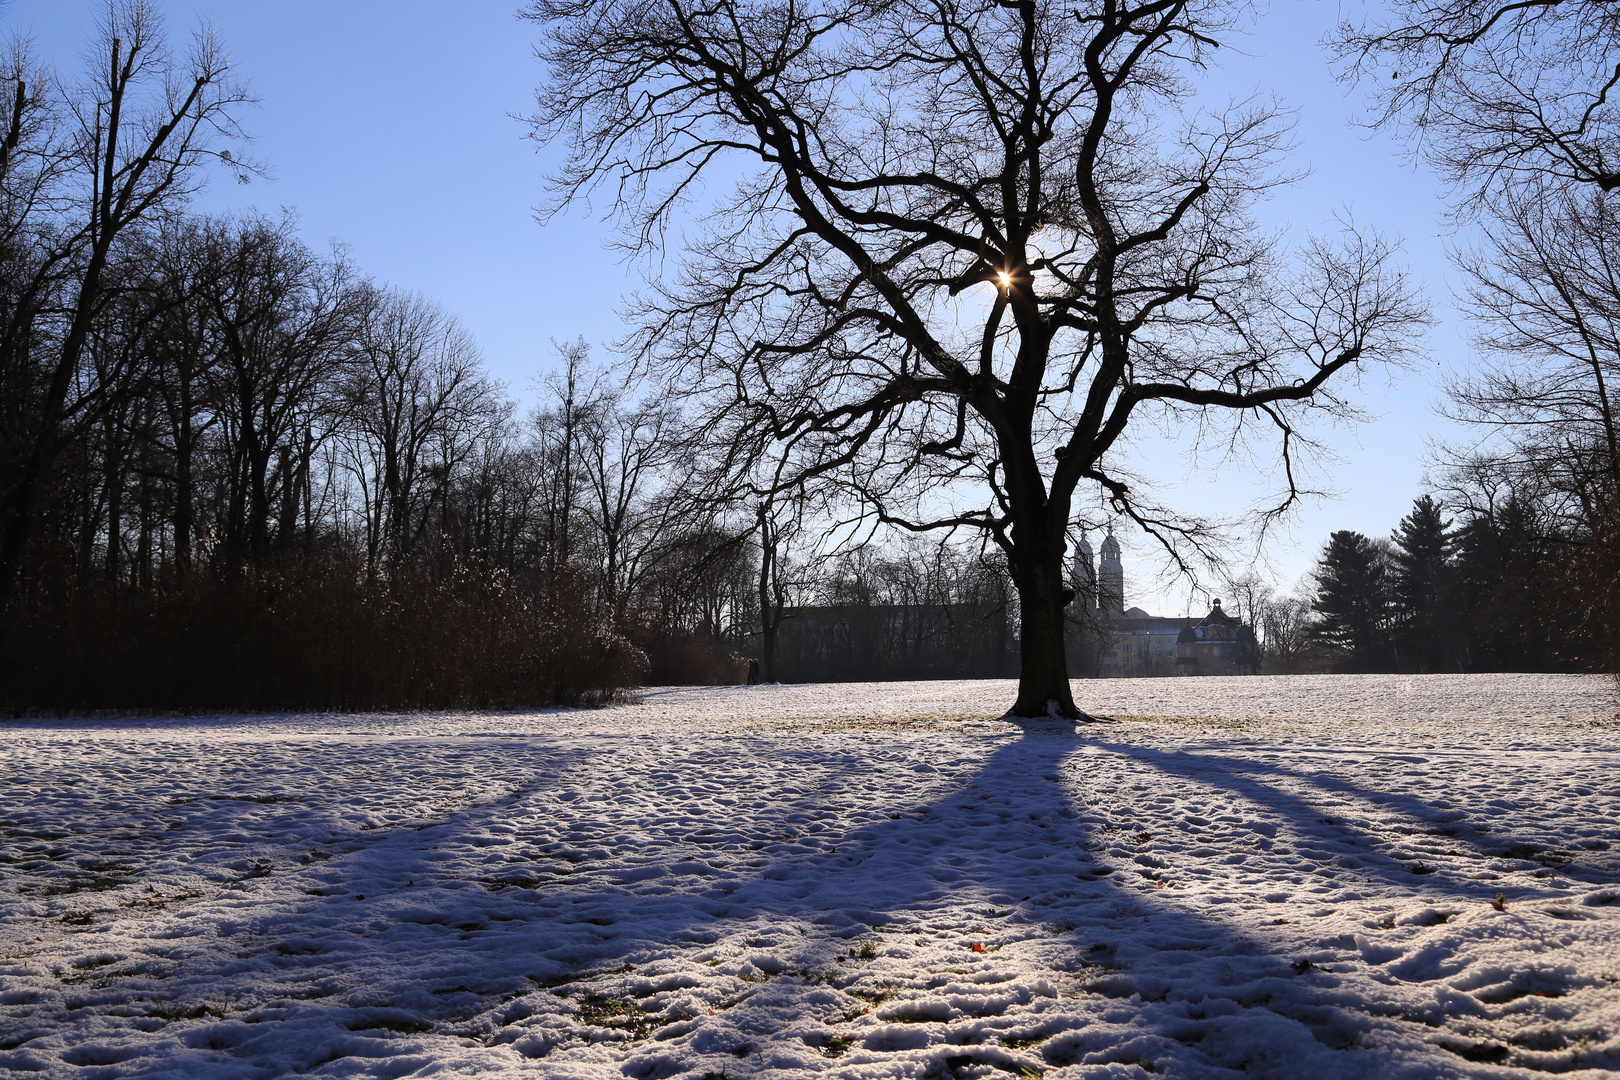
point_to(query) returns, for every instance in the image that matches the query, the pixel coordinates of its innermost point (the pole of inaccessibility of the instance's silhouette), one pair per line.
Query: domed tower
(1085, 576)
(1111, 578)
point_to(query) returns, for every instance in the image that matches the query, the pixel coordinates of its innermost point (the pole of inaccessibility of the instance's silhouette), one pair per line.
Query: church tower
(1085, 576)
(1111, 577)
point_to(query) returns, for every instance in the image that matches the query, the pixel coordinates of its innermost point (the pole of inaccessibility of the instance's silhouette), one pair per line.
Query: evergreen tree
(1353, 580)
(1505, 570)
(1422, 589)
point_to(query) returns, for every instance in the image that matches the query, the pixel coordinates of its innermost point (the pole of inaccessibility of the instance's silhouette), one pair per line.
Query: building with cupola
(1110, 640)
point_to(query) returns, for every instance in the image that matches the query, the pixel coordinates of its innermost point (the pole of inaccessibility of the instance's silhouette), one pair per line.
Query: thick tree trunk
(769, 615)
(1043, 674)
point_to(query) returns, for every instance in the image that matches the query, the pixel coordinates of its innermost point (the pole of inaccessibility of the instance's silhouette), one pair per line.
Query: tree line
(1503, 586)
(289, 485)
(236, 472)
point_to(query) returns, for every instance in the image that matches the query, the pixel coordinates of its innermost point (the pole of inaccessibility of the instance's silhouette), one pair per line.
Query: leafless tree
(975, 248)
(1497, 91)
(1544, 294)
(182, 359)
(558, 427)
(284, 320)
(82, 167)
(630, 456)
(414, 399)
(1284, 625)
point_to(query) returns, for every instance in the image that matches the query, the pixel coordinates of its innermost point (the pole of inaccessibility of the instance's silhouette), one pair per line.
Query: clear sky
(388, 126)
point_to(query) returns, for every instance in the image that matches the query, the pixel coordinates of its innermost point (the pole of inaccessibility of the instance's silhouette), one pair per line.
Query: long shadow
(1006, 859)
(1238, 775)
(1070, 927)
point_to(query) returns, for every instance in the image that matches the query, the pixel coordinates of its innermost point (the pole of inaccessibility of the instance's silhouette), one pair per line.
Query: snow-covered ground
(1310, 877)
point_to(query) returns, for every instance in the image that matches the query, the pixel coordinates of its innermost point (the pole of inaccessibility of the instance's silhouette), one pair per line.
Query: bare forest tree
(82, 165)
(1515, 104)
(629, 450)
(971, 250)
(1283, 621)
(416, 402)
(283, 322)
(1497, 92)
(793, 553)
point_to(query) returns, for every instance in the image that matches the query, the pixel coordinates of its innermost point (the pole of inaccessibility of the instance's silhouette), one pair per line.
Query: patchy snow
(1238, 877)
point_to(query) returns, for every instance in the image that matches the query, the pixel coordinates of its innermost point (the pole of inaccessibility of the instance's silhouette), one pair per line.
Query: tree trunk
(1038, 542)
(1043, 671)
(183, 499)
(113, 477)
(767, 625)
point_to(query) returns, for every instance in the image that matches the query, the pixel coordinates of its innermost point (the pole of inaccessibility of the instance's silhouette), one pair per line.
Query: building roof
(1143, 623)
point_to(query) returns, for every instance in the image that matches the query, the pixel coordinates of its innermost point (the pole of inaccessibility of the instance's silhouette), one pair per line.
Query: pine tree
(1353, 579)
(1422, 589)
(1505, 569)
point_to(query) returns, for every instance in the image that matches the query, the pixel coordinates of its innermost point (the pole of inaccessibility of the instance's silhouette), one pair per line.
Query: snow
(1235, 877)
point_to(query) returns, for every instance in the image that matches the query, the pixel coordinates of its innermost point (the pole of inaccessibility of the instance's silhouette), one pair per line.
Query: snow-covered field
(1257, 877)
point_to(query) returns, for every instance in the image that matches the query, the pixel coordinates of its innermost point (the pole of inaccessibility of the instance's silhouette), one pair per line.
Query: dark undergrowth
(315, 637)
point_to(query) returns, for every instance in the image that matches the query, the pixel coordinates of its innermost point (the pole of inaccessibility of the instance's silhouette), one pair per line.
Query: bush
(319, 637)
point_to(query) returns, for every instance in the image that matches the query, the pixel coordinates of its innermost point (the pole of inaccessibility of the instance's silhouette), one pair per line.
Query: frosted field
(1244, 877)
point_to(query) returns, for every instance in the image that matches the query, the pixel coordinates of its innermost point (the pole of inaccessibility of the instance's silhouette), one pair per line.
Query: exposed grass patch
(837, 1046)
(598, 1010)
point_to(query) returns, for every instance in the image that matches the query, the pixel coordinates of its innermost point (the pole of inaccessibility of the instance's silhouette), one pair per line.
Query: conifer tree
(1353, 579)
(1421, 587)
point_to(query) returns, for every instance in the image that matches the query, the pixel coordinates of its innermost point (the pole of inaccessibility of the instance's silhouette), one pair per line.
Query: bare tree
(415, 391)
(1284, 625)
(976, 247)
(284, 321)
(558, 427)
(81, 169)
(1544, 293)
(627, 449)
(1497, 91)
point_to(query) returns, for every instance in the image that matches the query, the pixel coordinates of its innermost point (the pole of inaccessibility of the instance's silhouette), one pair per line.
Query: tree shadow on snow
(1008, 858)
(1322, 831)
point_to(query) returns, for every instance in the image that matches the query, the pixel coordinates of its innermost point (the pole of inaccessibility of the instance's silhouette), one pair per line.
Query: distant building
(880, 642)
(1220, 645)
(1111, 579)
(1109, 640)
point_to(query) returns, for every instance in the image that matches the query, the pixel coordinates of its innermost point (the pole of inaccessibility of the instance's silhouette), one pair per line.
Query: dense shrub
(319, 636)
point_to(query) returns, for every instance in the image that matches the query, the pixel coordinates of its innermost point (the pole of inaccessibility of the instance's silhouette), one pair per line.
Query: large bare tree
(970, 249)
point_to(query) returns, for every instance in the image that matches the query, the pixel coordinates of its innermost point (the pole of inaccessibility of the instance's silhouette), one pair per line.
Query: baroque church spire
(1111, 577)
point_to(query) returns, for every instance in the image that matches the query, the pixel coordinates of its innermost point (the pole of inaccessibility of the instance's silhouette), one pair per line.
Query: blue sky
(388, 127)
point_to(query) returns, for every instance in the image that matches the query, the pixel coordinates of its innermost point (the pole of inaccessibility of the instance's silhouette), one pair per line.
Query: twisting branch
(964, 258)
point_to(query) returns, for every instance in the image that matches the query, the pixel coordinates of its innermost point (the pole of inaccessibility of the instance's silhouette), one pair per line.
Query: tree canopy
(953, 257)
